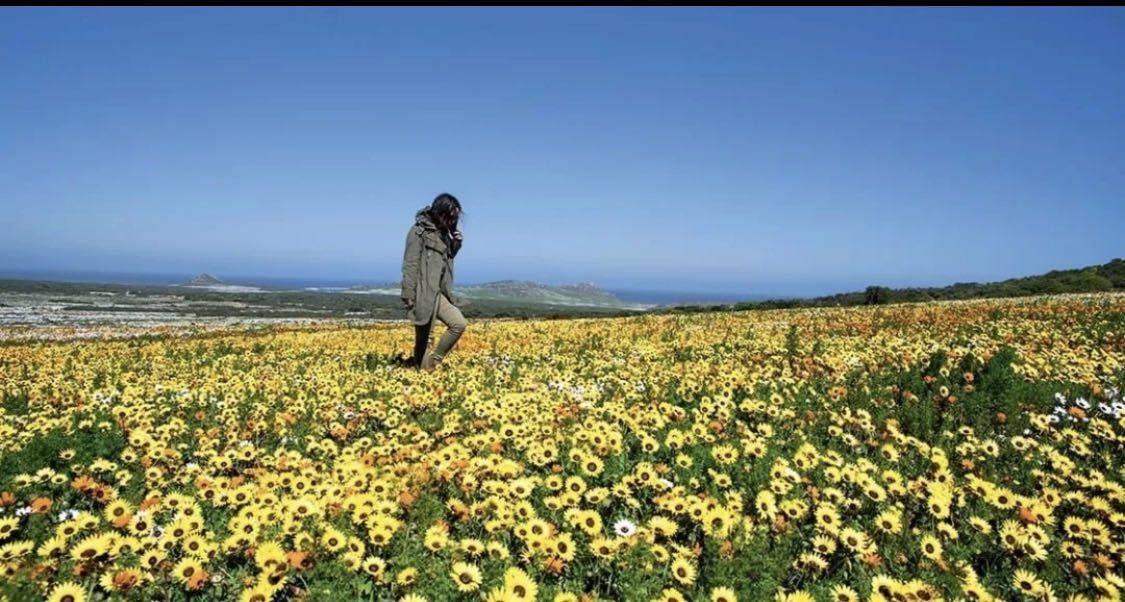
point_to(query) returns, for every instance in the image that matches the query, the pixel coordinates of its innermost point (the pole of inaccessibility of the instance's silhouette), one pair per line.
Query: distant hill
(204, 279)
(584, 294)
(573, 294)
(212, 283)
(1106, 277)
(1098, 278)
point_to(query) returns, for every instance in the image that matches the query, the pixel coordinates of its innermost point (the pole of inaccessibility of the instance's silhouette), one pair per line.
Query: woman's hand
(455, 242)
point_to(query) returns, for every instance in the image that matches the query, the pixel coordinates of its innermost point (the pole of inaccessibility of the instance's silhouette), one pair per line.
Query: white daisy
(625, 527)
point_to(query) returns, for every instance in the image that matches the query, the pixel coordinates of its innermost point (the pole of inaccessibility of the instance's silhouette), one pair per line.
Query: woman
(427, 278)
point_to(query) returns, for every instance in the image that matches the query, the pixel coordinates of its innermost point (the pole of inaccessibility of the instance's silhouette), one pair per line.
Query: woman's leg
(421, 341)
(455, 325)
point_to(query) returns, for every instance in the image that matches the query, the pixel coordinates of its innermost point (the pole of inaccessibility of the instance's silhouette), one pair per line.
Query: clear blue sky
(782, 151)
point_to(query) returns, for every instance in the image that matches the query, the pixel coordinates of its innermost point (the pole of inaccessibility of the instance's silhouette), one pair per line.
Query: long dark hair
(445, 211)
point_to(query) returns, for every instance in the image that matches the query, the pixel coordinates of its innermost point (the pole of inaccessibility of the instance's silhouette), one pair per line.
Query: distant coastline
(646, 296)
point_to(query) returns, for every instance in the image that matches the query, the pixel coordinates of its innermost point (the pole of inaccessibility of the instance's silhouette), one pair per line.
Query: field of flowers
(971, 450)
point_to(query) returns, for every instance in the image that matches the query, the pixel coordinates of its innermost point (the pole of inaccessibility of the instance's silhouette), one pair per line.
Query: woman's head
(445, 211)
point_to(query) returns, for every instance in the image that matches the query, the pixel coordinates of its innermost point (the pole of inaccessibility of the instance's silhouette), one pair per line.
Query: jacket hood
(422, 218)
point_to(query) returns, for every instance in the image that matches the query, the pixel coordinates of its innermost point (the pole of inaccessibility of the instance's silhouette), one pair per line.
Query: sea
(632, 295)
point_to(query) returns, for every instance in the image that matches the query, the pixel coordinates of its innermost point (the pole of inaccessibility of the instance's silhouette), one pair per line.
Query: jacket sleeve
(410, 260)
(454, 246)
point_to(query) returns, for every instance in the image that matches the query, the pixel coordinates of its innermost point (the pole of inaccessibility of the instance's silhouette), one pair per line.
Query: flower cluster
(968, 450)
